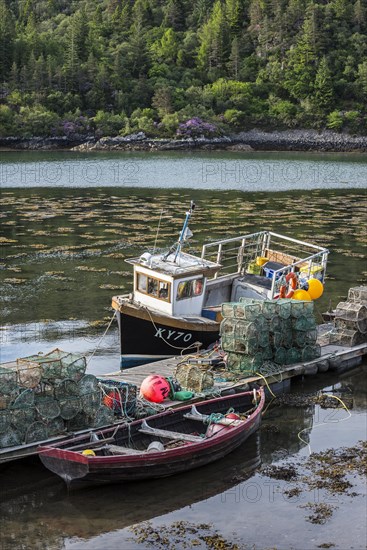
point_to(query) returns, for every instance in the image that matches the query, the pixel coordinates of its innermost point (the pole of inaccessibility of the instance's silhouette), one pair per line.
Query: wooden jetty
(333, 358)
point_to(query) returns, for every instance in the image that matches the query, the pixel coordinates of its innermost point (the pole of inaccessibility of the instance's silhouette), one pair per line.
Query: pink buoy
(155, 388)
(233, 416)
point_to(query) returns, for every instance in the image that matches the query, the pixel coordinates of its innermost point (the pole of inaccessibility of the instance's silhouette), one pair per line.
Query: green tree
(6, 40)
(214, 40)
(323, 89)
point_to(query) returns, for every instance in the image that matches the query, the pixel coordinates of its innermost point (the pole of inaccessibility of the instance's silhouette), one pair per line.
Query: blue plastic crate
(270, 267)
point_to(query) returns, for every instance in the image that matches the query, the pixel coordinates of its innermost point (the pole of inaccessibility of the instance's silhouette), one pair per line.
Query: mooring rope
(103, 335)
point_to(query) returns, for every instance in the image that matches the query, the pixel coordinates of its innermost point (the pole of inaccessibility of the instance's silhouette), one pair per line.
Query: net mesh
(194, 378)
(45, 395)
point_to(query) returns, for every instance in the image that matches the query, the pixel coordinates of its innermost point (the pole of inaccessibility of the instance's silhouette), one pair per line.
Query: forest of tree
(112, 67)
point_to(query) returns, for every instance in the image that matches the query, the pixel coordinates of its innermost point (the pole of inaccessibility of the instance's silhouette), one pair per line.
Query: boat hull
(79, 470)
(158, 336)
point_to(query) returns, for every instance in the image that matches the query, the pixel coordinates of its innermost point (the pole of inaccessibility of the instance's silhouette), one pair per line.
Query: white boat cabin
(175, 287)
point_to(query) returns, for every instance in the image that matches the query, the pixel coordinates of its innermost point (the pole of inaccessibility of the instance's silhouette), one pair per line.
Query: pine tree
(6, 40)
(323, 89)
(215, 40)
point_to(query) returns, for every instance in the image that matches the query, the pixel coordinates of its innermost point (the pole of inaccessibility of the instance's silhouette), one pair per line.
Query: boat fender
(155, 447)
(88, 452)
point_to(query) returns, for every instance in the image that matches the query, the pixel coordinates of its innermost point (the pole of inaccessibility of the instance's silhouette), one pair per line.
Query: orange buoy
(155, 388)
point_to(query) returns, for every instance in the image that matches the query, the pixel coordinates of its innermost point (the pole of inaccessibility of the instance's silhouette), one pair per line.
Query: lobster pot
(79, 422)
(238, 328)
(360, 326)
(311, 336)
(270, 308)
(304, 323)
(345, 337)
(69, 407)
(4, 421)
(351, 311)
(358, 294)
(47, 407)
(120, 396)
(244, 364)
(275, 324)
(103, 416)
(194, 378)
(10, 438)
(280, 356)
(5, 401)
(294, 355)
(21, 418)
(261, 322)
(241, 310)
(57, 365)
(239, 345)
(8, 381)
(66, 388)
(267, 353)
(37, 431)
(285, 308)
(300, 308)
(311, 352)
(56, 426)
(90, 402)
(287, 339)
(276, 339)
(29, 373)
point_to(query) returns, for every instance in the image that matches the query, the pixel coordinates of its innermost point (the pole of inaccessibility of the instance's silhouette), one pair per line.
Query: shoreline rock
(252, 140)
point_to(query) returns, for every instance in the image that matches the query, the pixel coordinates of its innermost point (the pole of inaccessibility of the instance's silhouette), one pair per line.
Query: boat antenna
(156, 237)
(183, 235)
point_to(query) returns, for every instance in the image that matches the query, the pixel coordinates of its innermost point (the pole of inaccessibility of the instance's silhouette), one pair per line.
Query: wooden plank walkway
(166, 367)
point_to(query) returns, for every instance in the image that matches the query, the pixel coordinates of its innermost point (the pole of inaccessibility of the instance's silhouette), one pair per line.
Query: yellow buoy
(88, 452)
(315, 288)
(301, 294)
(261, 260)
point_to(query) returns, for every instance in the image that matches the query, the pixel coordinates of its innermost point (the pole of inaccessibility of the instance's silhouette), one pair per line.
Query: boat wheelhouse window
(190, 289)
(142, 282)
(153, 287)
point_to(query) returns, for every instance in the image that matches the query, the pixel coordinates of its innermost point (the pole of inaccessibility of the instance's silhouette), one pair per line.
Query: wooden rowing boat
(162, 445)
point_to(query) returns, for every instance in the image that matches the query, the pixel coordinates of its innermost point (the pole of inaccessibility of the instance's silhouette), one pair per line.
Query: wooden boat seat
(146, 429)
(118, 450)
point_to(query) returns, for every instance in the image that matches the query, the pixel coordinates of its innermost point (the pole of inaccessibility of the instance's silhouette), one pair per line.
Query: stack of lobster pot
(351, 319)
(43, 396)
(245, 336)
(257, 331)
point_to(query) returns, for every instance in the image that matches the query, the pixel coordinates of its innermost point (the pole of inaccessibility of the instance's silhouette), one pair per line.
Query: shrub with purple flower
(195, 127)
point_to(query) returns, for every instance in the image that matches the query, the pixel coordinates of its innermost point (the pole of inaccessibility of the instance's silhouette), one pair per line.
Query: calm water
(197, 170)
(238, 501)
(64, 242)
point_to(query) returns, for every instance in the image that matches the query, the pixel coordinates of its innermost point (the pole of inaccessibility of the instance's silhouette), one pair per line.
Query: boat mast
(178, 246)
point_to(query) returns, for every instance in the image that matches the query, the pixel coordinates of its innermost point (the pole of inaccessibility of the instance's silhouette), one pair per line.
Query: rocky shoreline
(252, 140)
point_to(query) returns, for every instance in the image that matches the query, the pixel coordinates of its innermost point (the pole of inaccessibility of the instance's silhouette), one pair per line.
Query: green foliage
(335, 120)
(152, 64)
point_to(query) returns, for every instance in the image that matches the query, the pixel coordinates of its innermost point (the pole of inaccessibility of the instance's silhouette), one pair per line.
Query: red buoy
(155, 388)
(113, 400)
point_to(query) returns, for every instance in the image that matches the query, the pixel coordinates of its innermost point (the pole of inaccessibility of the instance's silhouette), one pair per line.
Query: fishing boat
(175, 304)
(162, 445)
